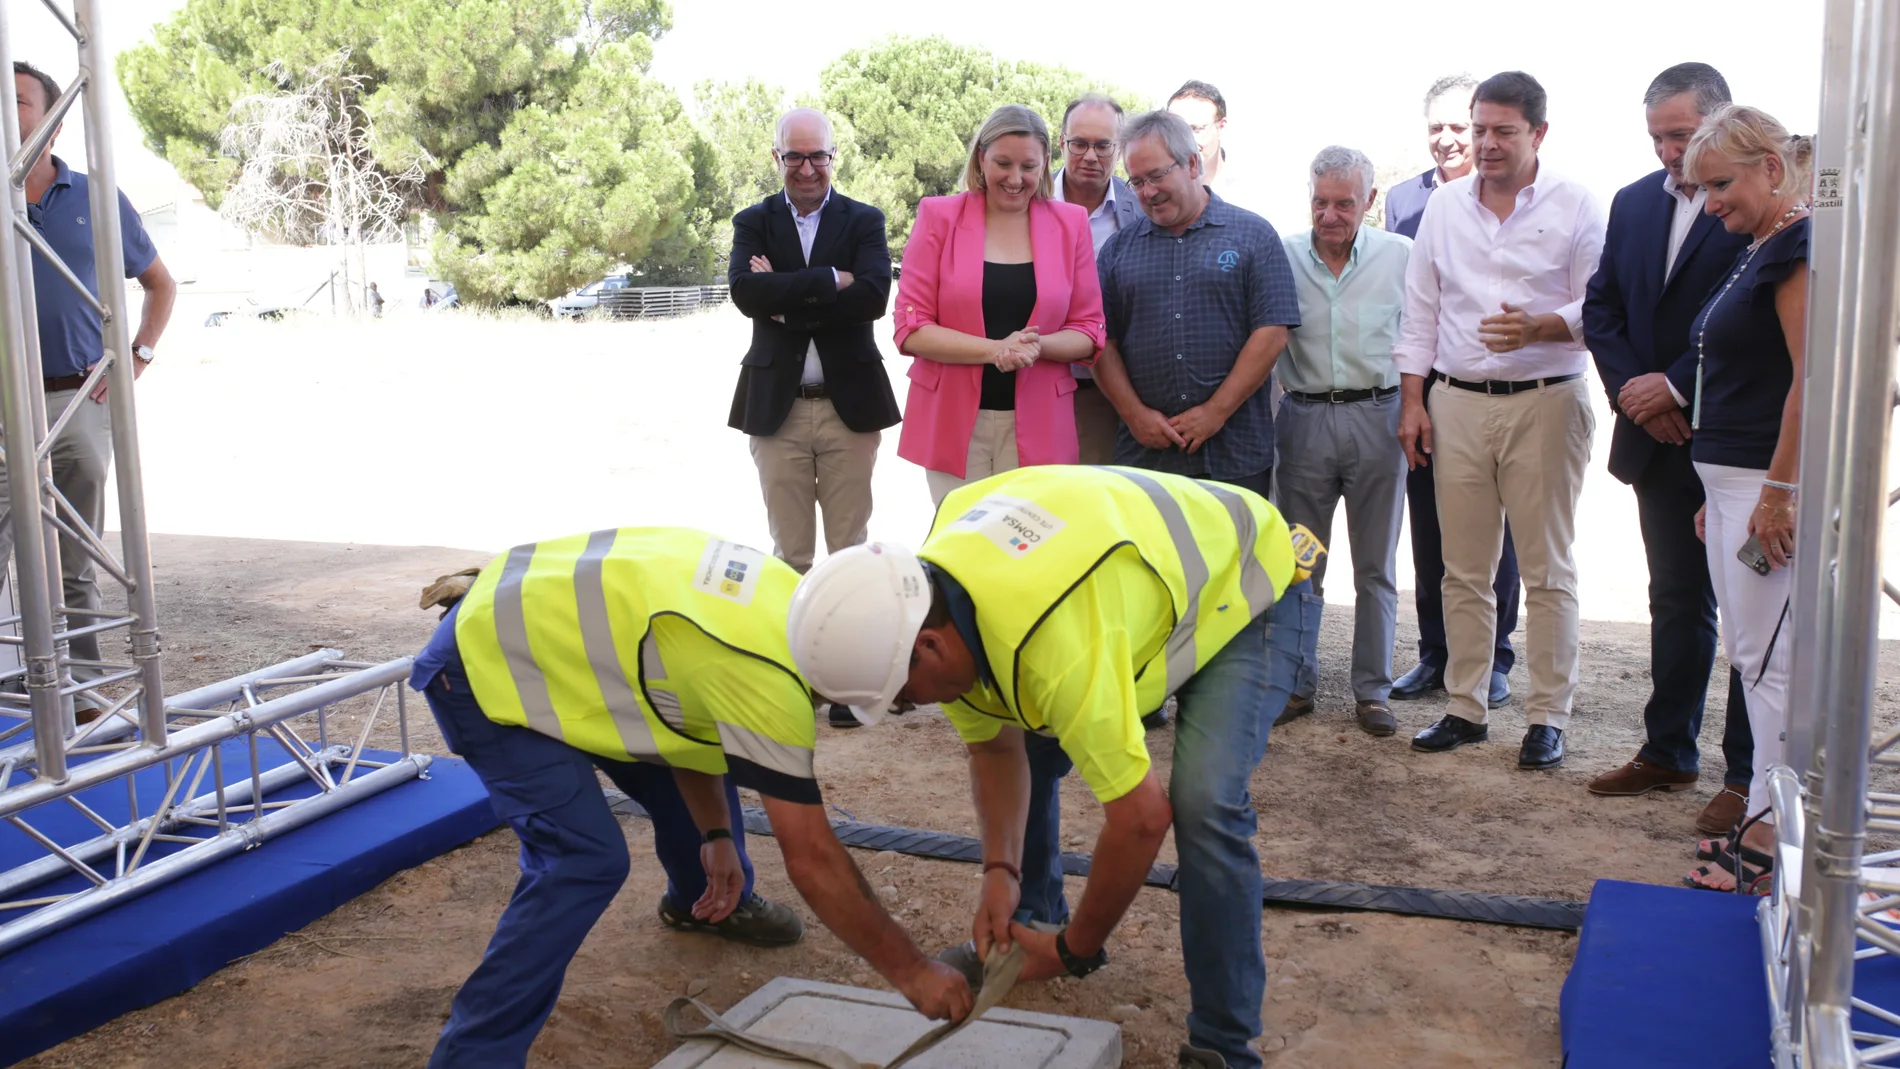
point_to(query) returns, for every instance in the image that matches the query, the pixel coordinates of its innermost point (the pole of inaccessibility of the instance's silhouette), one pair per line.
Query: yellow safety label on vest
(1016, 526)
(728, 570)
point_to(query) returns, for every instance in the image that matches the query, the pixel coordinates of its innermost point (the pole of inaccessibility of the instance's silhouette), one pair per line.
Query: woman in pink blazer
(998, 297)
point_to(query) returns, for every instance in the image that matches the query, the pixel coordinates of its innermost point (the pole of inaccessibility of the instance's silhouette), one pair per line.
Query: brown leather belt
(813, 391)
(65, 382)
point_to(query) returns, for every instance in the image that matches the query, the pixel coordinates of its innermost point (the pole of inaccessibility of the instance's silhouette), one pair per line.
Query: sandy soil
(370, 984)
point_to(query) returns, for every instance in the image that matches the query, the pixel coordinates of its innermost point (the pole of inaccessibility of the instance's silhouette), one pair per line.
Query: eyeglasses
(795, 160)
(1139, 184)
(1078, 147)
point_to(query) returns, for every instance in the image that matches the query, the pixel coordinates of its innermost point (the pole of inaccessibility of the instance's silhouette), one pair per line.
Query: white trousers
(1757, 629)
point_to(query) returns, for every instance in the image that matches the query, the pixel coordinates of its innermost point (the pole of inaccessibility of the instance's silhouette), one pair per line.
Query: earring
(1775, 192)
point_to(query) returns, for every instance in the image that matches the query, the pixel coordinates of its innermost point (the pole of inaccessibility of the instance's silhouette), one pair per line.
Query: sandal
(1749, 877)
(1711, 849)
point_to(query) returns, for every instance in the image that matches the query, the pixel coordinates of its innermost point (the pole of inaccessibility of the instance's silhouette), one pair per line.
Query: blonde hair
(1003, 122)
(1746, 137)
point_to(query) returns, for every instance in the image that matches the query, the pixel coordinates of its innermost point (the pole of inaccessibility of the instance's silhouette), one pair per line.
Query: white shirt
(1466, 264)
(1687, 208)
(1103, 222)
(807, 226)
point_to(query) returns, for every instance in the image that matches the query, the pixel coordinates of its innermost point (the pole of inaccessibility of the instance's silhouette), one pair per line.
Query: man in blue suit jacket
(1661, 259)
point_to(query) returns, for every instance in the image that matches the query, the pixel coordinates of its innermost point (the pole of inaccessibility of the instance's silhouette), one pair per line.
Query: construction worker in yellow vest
(1063, 603)
(658, 656)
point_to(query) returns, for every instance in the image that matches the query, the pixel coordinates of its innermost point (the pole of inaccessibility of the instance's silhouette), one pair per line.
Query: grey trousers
(1351, 450)
(82, 460)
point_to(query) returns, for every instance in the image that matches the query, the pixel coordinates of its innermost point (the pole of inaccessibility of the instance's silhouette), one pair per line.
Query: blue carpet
(164, 942)
(1666, 977)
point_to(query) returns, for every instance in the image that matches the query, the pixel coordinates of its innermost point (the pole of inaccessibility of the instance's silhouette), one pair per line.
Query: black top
(1746, 368)
(1009, 298)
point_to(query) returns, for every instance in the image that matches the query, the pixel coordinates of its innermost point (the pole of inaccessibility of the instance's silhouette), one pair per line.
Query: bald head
(804, 150)
(805, 124)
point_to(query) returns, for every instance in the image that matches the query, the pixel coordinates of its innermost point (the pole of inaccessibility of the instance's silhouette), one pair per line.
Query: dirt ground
(380, 440)
(370, 984)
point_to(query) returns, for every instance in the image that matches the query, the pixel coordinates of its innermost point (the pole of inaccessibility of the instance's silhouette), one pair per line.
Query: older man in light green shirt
(1338, 423)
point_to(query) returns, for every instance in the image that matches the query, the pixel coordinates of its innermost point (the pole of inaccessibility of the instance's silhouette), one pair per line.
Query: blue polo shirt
(1181, 307)
(71, 339)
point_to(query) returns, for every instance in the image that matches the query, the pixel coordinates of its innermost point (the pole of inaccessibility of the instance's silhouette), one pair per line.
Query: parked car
(587, 298)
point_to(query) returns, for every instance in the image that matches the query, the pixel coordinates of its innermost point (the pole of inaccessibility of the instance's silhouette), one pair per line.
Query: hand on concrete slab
(938, 991)
(725, 881)
(1042, 962)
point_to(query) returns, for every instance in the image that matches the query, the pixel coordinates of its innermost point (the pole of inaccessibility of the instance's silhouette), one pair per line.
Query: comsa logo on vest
(1014, 525)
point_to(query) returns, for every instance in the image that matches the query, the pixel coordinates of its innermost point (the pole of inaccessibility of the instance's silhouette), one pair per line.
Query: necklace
(1702, 330)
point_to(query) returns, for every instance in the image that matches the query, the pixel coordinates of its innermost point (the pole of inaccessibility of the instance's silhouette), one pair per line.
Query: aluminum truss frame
(200, 814)
(1835, 904)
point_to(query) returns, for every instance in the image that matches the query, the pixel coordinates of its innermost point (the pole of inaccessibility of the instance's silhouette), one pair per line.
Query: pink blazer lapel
(965, 284)
(1050, 249)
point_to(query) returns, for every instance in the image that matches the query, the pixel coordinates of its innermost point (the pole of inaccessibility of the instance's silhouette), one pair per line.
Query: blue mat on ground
(165, 941)
(1666, 977)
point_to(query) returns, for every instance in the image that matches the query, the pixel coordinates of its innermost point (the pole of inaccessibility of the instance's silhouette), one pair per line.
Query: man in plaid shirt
(1199, 299)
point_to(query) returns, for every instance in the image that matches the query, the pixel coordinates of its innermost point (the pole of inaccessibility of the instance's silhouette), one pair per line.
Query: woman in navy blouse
(1745, 421)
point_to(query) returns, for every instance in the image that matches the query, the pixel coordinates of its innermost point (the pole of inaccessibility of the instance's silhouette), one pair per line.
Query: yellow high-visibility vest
(566, 637)
(1022, 541)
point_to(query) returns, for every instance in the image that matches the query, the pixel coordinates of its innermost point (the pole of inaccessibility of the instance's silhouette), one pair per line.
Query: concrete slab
(876, 1026)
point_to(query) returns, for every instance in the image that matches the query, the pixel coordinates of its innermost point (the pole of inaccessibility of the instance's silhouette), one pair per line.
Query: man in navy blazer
(812, 269)
(1661, 259)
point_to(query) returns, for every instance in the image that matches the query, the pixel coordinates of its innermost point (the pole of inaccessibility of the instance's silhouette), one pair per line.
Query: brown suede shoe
(1296, 707)
(1375, 718)
(1641, 777)
(1723, 812)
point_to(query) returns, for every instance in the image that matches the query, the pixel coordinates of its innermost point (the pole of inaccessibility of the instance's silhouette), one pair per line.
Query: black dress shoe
(1500, 695)
(1448, 734)
(1423, 679)
(841, 717)
(1156, 720)
(1543, 748)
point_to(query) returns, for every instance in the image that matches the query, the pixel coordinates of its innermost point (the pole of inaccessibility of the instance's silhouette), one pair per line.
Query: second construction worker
(1069, 601)
(657, 656)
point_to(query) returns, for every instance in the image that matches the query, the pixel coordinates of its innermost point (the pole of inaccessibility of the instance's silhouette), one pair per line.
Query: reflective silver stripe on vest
(664, 702)
(511, 631)
(1181, 659)
(764, 751)
(1254, 581)
(597, 640)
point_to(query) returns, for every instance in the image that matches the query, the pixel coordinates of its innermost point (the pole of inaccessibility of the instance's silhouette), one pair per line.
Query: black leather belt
(813, 391)
(1341, 397)
(1497, 387)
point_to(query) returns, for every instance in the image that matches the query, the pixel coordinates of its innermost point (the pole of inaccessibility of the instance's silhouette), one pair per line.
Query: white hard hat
(854, 619)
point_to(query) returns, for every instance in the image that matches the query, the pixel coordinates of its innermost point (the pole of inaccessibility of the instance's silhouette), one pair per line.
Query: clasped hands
(760, 264)
(1649, 403)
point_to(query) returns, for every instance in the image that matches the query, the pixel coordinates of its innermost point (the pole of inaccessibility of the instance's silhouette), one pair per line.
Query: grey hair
(1707, 83)
(1338, 159)
(785, 120)
(1175, 134)
(1449, 83)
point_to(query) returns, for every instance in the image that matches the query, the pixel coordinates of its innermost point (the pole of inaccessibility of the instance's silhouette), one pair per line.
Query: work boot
(1193, 1057)
(758, 921)
(964, 959)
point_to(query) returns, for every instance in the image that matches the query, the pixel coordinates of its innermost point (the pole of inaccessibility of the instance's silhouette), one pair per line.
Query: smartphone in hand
(1751, 554)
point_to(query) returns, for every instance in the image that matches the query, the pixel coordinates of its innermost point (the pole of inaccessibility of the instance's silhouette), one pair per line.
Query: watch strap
(1078, 966)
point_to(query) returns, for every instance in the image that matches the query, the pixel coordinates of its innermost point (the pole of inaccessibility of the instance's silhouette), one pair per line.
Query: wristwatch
(144, 353)
(1078, 967)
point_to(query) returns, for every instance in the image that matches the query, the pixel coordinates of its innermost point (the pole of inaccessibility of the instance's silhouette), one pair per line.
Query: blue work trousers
(573, 861)
(1221, 725)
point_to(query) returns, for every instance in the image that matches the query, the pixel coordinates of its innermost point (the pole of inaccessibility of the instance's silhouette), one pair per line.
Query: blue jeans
(573, 861)
(1221, 727)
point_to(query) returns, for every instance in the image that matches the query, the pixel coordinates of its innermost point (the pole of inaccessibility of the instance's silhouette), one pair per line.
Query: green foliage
(906, 109)
(552, 156)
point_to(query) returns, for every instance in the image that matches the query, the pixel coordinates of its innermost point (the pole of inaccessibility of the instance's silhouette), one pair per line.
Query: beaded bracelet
(1776, 485)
